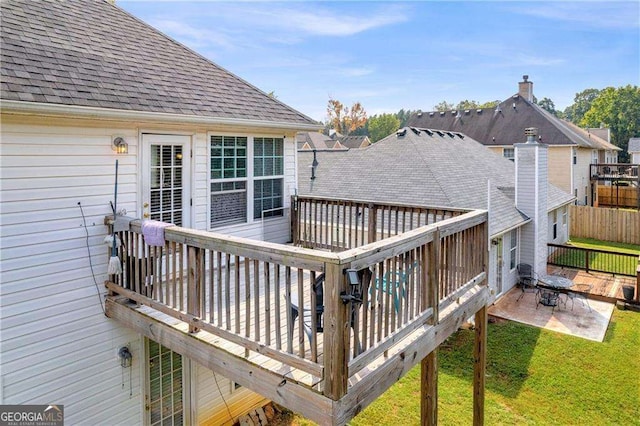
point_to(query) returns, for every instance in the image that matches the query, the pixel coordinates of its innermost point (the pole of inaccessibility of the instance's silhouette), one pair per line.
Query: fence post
(295, 239)
(638, 281)
(373, 220)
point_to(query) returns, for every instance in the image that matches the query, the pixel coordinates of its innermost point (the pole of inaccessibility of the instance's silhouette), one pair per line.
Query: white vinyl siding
(57, 345)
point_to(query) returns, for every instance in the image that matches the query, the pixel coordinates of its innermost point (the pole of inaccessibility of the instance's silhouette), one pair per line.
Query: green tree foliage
(619, 110)
(382, 125)
(548, 105)
(443, 106)
(403, 116)
(581, 104)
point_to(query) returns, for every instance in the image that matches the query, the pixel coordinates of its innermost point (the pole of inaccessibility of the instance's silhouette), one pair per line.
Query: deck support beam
(429, 389)
(479, 365)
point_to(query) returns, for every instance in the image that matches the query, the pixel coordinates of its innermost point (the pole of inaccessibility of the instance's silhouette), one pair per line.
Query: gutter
(58, 110)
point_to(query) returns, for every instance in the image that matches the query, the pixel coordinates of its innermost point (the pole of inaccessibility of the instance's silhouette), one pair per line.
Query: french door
(166, 178)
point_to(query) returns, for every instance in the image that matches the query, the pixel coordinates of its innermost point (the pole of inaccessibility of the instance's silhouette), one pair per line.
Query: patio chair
(578, 292)
(318, 288)
(393, 284)
(527, 279)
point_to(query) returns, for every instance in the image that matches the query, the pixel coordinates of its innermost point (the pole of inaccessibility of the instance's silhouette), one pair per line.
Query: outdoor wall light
(125, 357)
(119, 145)
(355, 293)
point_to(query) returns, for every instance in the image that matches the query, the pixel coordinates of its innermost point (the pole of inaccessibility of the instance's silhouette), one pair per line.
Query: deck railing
(243, 290)
(337, 224)
(619, 263)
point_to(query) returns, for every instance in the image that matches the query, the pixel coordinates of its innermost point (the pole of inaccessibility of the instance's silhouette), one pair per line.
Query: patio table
(556, 284)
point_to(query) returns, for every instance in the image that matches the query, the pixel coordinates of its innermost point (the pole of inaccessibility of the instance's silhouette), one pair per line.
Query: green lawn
(534, 377)
(605, 245)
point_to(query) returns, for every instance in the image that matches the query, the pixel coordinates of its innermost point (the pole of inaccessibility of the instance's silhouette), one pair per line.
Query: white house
(85, 84)
(439, 168)
(634, 150)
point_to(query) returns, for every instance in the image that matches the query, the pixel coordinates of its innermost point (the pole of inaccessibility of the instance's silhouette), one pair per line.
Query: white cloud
(591, 14)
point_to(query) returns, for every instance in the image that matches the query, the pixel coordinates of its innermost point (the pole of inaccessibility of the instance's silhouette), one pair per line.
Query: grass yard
(534, 377)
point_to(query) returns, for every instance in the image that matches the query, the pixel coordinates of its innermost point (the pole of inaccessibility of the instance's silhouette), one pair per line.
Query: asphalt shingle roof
(444, 170)
(505, 124)
(92, 53)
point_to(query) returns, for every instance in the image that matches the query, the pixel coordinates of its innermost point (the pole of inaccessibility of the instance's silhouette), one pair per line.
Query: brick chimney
(531, 199)
(525, 88)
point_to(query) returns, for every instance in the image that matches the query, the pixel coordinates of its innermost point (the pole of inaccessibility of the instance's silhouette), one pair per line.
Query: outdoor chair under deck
(580, 292)
(528, 280)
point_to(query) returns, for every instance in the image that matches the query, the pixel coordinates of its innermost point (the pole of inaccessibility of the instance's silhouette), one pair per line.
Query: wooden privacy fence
(604, 224)
(617, 196)
(243, 290)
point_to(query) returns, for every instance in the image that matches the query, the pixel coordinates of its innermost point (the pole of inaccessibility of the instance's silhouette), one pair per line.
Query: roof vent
(430, 114)
(419, 113)
(415, 130)
(427, 131)
(441, 112)
(479, 111)
(460, 135)
(531, 133)
(498, 109)
(450, 134)
(454, 112)
(466, 112)
(440, 132)
(515, 96)
(401, 132)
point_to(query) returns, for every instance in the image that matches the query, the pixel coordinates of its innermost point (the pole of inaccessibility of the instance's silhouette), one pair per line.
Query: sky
(391, 55)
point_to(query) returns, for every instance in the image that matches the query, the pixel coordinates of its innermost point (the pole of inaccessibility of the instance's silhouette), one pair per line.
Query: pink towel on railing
(153, 232)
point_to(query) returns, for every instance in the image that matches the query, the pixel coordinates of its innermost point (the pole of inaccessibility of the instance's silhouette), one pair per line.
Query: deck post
(479, 366)
(295, 238)
(194, 283)
(429, 365)
(373, 221)
(429, 389)
(336, 333)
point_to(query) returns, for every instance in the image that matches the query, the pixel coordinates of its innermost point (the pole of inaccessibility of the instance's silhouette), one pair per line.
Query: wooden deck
(225, 302)
(607, 287)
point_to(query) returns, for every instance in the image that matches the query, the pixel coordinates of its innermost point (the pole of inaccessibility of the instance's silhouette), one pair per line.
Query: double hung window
(246, 179)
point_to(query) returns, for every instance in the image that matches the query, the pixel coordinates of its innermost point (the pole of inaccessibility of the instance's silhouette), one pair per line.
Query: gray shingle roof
(505, 125)
(434, 170)
(92, 53)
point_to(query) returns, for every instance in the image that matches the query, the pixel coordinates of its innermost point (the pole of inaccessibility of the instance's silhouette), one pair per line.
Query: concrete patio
(576, 320)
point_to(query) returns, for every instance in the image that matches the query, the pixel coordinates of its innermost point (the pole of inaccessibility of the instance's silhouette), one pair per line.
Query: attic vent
(430, 114)
(427, 131)
(441, 112)
(415, 130)
(440, 133)
(498, 109)
(466, 112)
(401, 132)
(460, 135)
(454, 112)
(515, 96)
(419, 113)
(479, 111)
(450, 134)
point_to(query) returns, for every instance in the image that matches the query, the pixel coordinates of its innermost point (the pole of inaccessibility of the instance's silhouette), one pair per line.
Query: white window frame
(250, 178)
(512, 151)
(554, 226)
(565, 214)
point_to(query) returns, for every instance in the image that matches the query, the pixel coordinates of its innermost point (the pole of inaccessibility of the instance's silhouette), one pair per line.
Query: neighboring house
(435, 168)
(308, 141)
(634, 150)
(571, 150)
(197, 146)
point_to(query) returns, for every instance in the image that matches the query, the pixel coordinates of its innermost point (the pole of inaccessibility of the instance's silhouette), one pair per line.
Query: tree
(548, 105)
(443, 106)
(618, 109)
(463, 105)
(581, 104)
(382, 125)
(403, 116)
(343, 119)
